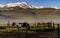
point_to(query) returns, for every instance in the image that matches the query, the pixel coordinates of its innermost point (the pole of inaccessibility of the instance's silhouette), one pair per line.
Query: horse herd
(27, 25)
(19, 25)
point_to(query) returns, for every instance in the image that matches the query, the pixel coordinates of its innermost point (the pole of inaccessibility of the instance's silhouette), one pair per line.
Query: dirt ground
(43, 34)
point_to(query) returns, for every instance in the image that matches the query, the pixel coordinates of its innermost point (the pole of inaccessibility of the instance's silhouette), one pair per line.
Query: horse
(20, 25)
(26, 25)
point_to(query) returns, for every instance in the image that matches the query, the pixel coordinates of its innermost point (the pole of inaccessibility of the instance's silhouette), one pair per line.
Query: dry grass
(15, 29)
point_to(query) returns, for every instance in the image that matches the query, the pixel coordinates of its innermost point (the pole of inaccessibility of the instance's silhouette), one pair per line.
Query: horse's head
(20, 23)
(13, 23)
(25, 25)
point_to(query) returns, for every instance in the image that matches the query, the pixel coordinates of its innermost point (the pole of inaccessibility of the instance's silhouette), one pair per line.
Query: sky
(45, 3)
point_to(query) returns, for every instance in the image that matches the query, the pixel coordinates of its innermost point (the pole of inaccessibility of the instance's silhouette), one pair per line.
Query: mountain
(20, 5)
(23, 5)
(23, 12)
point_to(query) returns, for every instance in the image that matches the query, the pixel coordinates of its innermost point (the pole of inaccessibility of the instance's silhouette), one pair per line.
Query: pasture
(34, 32)
(33, 27)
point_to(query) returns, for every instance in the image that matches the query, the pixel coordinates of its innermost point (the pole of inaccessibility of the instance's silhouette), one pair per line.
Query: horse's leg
(18, 27)
(28, 27)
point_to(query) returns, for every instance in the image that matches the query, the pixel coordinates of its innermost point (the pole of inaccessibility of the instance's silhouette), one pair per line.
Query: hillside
(31, 15)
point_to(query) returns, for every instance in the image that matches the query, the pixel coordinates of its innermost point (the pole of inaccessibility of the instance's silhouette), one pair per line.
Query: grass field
(34, 32)
(33, 27)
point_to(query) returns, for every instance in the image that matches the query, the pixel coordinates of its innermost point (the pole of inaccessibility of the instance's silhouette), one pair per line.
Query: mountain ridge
(22, 5)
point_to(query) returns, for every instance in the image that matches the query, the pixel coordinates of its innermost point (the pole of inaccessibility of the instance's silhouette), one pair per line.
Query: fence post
(53, 26)
(26, 33)
(58, 30)
(8, 26)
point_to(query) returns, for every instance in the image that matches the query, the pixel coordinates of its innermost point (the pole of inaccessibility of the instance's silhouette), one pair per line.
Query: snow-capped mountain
(18, 4)
(23, 5)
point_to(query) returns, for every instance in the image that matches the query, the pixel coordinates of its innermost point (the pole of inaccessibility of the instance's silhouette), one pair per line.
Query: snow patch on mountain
(1, 6)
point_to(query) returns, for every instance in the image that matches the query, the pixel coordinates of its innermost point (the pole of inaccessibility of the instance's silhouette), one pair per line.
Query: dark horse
(22, 25)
